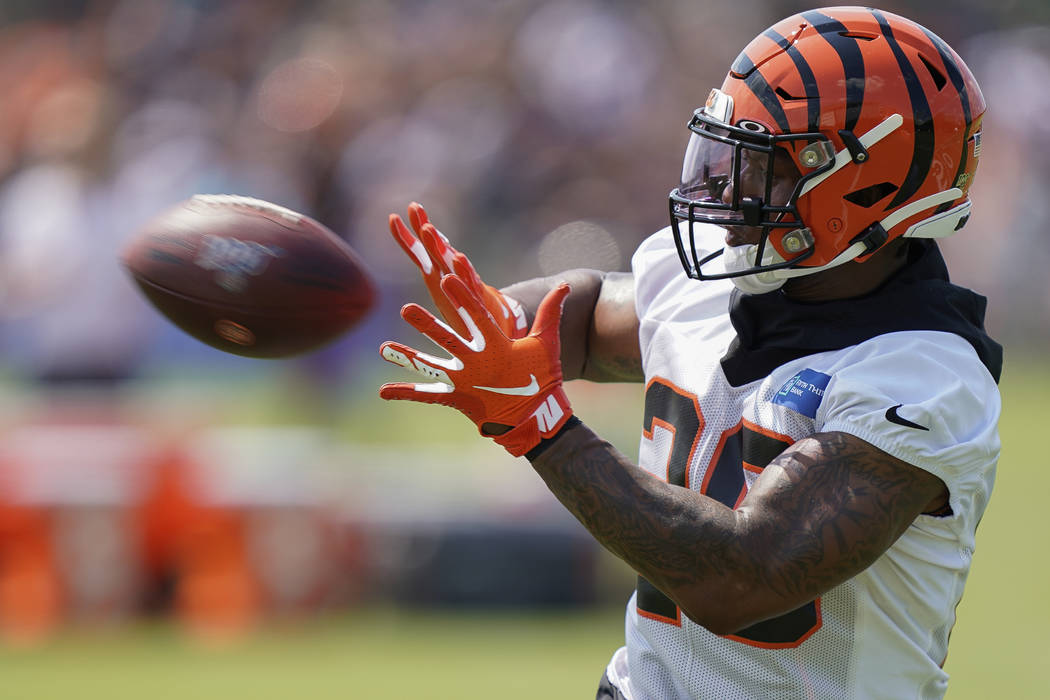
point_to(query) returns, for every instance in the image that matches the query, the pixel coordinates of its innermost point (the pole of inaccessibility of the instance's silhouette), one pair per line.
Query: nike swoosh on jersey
(893, 417)
(529, 389)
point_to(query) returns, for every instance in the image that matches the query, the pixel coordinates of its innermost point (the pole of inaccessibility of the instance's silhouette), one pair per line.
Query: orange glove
(431, 252)
(494, 380)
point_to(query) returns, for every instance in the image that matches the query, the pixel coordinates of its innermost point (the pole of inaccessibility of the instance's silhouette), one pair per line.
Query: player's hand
(430, 251)
(496, 381)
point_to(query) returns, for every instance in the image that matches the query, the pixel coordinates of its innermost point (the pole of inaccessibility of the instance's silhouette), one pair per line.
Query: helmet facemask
(745, 176)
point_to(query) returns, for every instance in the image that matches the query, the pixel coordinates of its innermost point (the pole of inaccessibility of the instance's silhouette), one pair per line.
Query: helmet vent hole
(938, 77)
(784, 94)
(870, 196)
(859, 35)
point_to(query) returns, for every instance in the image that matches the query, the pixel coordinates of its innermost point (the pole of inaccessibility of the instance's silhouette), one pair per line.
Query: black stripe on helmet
(959, 83)
(809, 83)
(922, 152)
(777, 38)
(852, 61)
(743, 65)
(954, 74)
(761, 89)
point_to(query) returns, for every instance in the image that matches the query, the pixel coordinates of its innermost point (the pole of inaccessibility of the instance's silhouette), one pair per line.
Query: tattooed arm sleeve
(821, 512)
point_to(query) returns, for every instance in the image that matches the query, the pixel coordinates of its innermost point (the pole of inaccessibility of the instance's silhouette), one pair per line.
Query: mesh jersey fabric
(881, 634)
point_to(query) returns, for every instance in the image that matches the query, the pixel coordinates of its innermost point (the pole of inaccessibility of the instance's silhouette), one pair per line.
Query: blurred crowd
(540, 135)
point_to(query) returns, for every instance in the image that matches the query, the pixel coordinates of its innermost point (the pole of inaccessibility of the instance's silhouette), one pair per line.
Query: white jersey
(922, 396)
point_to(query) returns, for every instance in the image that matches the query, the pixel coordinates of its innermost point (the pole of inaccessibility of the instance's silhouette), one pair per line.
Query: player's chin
(742, 235)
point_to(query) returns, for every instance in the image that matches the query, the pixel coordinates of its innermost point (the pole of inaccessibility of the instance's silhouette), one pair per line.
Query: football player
(821, 405)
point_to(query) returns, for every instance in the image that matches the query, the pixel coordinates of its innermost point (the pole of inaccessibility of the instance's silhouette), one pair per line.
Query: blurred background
(184, 522)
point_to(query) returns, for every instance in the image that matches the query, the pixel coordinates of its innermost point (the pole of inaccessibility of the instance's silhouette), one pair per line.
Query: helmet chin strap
(742, 257)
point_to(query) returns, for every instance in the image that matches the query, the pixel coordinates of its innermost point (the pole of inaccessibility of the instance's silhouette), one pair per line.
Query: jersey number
(741, 447)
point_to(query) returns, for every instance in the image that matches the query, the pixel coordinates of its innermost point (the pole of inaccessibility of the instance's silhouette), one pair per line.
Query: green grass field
(390, 654)
(999, 648)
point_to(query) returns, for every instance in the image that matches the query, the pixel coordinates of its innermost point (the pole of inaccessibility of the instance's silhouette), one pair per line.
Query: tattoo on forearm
(822, 511)
(847, 504)
(616, 367)
(641, 519)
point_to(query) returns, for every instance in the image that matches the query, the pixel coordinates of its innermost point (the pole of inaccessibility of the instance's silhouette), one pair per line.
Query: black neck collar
(772, 329)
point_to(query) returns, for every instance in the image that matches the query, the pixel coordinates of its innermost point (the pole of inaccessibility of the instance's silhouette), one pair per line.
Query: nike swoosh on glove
(490, 378)
(436, 258)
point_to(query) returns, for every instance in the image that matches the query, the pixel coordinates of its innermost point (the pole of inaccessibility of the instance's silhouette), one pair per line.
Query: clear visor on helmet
(722, 177)
(744, 176)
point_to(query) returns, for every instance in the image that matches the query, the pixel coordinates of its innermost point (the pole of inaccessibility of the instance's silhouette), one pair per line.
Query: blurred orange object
(217, 596)
(253, 538)
(30, 586)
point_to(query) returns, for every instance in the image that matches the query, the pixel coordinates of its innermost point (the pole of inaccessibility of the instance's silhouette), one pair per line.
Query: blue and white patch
(803, 392)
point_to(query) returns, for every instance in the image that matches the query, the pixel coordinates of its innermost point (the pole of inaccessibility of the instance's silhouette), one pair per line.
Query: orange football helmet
(871, 120)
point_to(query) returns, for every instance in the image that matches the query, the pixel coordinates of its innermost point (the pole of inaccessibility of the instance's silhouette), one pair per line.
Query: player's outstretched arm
(599, 328)
(820, 513)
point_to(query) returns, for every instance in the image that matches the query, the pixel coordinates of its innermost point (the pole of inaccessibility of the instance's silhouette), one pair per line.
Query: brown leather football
(249, 277)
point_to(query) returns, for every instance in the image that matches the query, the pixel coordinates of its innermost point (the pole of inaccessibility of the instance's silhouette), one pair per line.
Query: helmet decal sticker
(754, 126)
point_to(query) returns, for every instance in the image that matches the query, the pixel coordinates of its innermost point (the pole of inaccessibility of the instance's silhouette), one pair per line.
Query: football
(249, 277)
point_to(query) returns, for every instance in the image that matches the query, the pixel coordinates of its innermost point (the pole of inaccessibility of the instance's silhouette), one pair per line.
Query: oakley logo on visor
(754, 126)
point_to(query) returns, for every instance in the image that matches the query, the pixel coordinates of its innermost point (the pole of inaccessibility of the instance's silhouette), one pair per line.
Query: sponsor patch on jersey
(803, 392)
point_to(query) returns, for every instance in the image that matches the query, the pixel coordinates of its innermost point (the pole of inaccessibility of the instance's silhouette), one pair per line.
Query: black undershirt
(772, 329)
